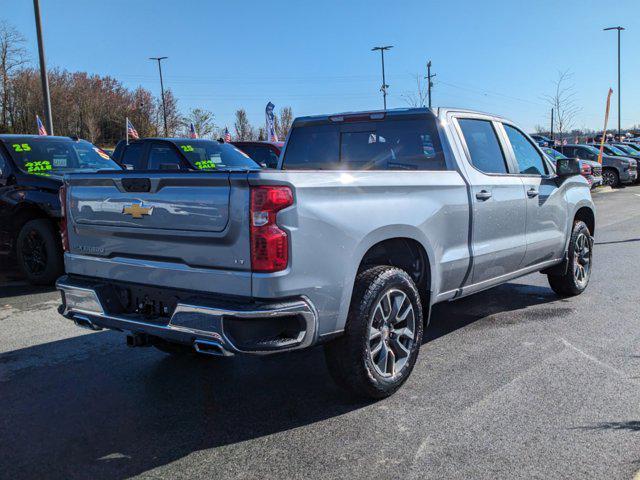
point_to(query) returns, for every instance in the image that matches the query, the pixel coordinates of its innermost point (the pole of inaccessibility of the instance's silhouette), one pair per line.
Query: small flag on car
(227, 135)
(192, 131)
(131, 131)
(41, 129)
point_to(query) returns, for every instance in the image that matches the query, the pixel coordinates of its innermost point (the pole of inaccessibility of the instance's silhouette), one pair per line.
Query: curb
(605, 189)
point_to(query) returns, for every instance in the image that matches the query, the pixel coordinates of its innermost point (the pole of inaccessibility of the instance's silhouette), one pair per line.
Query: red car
(264, 153)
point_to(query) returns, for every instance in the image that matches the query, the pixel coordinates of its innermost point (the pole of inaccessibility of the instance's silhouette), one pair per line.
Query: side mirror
(567, 167)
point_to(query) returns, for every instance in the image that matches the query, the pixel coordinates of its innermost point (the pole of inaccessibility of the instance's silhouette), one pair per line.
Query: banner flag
(272, 136)
(604, 132)
(41, 129)
(192, 131)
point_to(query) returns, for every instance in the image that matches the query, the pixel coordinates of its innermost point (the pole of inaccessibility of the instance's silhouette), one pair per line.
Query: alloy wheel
(582, 252)
(34, 252)
(391, 333)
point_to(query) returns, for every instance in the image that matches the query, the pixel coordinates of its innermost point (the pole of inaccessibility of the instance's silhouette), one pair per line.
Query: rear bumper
(241, 328)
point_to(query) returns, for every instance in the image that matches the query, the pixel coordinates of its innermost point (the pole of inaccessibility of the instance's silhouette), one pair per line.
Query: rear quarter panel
(338, 215)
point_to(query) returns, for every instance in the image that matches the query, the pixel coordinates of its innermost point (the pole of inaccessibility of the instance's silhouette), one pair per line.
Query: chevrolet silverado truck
(370, 219)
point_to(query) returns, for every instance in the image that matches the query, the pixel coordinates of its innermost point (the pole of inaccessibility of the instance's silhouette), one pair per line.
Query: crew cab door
(547, 212)
(498, 237)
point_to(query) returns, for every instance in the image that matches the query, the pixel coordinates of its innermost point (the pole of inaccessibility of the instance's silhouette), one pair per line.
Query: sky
(497, 56)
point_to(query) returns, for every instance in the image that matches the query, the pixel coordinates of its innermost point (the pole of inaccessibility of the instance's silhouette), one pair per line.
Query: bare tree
(563, 102)
(420, 96)
(262, 134)
(244, 130)
(13, 56)
(202, 122)
(283, 122)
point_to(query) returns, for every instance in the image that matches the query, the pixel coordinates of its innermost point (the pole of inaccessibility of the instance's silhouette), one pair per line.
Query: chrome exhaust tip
(84, 322)
(210, 347)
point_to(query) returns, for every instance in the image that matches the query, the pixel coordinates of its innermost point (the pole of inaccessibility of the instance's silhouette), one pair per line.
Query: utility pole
(619, 29)
(551, 134)
(429, 82)
(43, 70)
(384, 87)
(164, 108)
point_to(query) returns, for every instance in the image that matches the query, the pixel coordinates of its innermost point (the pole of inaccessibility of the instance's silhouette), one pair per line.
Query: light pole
(384, 87)
(429, 82)
(164, 108)
(619, 29)
(43, 70)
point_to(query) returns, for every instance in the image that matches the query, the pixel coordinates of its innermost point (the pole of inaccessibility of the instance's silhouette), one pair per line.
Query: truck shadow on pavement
(89, 407)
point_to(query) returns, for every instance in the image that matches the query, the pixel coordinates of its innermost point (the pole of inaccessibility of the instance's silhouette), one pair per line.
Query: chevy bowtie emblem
(136, 210)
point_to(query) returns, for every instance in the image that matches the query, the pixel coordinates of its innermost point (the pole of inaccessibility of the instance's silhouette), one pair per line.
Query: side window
(529, 159)
(583, 153)
(484, 147)
(162, 156)
(3, 165)
(133, 156)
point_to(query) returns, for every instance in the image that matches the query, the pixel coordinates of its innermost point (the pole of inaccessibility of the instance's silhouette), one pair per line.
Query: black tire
(571, 283)
(350, 358)
(39, 252)
(610, 178)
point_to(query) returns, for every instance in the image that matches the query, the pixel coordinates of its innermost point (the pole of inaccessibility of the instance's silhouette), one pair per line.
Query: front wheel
(578, 273)
(39, 252)
(610, 178)
(382, 336)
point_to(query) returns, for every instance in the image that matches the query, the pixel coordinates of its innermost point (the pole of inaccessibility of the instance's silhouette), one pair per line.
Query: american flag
(192, 131)
(41, 129)
(131, 131)
(227, 135)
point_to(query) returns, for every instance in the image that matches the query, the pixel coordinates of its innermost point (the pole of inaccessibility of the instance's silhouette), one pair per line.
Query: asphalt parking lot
(510, 383)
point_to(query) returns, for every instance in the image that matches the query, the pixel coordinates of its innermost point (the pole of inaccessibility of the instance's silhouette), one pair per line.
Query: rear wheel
(39, 252)
(382, 336)
(576, 279)
(610, 177)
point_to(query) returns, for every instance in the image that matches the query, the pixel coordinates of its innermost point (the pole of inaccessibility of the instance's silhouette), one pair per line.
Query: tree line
(94, 107)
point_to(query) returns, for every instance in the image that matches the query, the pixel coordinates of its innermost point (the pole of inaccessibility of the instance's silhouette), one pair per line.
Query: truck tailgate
(175, 229)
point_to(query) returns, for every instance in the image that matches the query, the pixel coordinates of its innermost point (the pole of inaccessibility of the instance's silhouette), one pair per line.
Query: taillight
(585, 169)
(269, 244)
(62, 194)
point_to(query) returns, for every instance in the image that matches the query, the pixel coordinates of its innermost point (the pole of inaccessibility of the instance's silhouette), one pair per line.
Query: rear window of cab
(389, 144)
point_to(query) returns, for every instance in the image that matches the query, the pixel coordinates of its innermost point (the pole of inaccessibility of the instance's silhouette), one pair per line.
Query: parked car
(265, 153)
(541, 140)
(31, 170)
(611, 149)
(374, 218)
(589, 169)
(181, 154)
(616, 170)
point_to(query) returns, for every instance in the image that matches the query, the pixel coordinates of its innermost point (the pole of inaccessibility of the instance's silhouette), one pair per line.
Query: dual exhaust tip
(205, 347)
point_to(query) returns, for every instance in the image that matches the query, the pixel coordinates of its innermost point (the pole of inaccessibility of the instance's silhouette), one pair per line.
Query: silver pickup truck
(370, 219)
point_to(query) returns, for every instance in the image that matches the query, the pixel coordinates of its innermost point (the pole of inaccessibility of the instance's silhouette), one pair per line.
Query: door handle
(532, 193)
(483, 195)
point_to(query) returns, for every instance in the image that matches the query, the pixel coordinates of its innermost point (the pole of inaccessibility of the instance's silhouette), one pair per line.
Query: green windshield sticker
(205, 165)
(186, 148)
(21, 147)
(38, 168)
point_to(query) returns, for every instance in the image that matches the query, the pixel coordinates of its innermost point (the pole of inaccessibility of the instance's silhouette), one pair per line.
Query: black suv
(181, 154)
(31, 171)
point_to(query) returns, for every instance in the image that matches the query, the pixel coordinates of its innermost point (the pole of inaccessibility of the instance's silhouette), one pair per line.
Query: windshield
(212, 155)
(615, 150)
(554, 154)
(592, 149)
(627, 149)
(57, 156)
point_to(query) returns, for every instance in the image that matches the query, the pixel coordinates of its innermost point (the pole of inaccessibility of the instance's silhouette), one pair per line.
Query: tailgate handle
(136, 184)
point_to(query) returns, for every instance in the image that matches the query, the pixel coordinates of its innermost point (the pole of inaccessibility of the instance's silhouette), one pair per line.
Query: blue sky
(500, 56)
